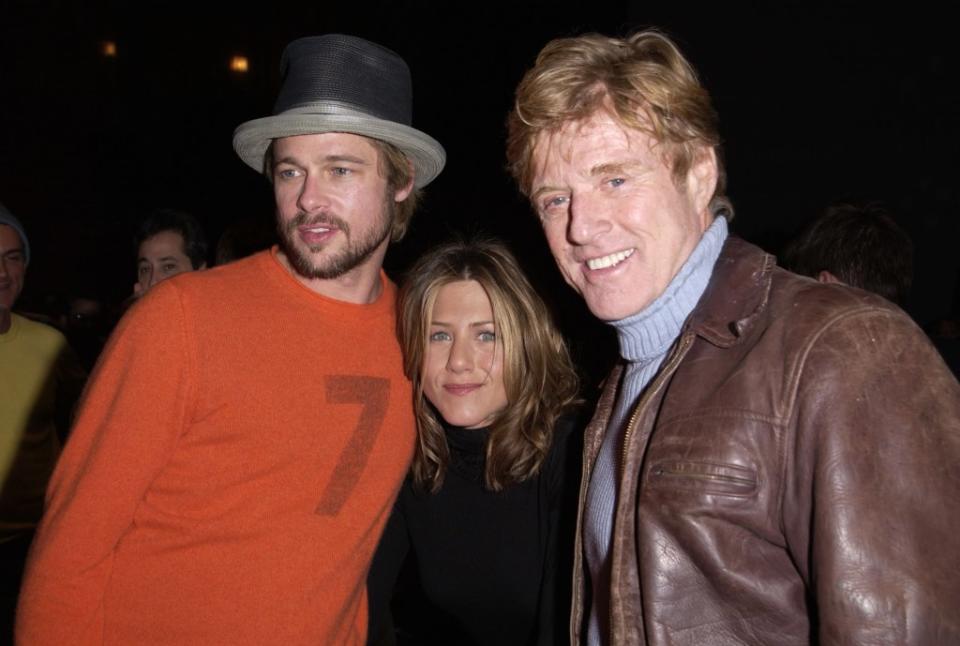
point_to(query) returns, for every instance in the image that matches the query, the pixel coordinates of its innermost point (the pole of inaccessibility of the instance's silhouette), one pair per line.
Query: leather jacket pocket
(703, 477)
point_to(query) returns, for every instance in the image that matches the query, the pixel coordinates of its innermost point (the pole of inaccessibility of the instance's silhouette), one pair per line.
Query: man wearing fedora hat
(239, 449)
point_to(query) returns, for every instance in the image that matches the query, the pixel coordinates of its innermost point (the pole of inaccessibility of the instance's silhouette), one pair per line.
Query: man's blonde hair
(644, 80)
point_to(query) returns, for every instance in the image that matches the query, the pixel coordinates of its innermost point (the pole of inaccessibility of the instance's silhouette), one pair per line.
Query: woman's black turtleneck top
(467, 565)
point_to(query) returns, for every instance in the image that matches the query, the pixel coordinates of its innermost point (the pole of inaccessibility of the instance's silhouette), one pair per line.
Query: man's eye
(341, 171)
(143, 271)
(617, 181)
(287, 173)
(169, 267)
(554, 202)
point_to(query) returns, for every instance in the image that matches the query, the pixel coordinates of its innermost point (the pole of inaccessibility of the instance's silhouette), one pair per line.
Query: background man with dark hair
(236, 458)
(858, 245)
(168, 242)
(773, 461)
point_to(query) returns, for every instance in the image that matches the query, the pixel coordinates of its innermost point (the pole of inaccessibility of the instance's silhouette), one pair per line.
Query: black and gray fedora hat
(338, 83)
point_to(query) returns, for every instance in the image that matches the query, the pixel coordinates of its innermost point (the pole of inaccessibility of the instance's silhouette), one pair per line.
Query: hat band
(335, 108)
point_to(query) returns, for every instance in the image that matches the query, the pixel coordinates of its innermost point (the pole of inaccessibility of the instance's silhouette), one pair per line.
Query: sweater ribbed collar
(466, 440)
(650, 332)
(467, 449)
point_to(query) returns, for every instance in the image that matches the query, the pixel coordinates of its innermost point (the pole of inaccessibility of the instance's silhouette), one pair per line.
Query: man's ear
(702, 178)
(136, 289)
(826, 277)
(401, 193)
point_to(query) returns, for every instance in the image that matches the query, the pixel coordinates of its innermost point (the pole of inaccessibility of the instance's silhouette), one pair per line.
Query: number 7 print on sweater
(372, 393)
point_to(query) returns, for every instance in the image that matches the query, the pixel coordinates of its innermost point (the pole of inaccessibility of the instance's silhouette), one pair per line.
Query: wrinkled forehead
(560, 139)
(587, 141)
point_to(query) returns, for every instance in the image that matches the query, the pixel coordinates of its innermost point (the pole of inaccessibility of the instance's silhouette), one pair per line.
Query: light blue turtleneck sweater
(645, 338)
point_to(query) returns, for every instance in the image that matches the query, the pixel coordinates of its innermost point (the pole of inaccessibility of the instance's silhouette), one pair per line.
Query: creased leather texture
(792, 475)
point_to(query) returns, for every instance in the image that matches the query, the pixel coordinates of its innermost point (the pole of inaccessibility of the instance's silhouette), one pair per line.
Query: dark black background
(816, 104)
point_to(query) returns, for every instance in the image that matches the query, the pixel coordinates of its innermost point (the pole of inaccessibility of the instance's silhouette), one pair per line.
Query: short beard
(355, 254)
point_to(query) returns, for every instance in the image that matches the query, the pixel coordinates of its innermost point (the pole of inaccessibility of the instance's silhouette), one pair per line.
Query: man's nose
(313, 194)
(587, 220)
(151, 278)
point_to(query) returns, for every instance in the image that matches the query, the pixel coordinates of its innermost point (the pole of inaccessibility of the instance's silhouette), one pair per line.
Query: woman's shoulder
(569, 427)
(564, 459)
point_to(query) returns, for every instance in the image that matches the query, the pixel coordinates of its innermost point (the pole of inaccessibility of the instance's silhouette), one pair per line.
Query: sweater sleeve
(133, 413)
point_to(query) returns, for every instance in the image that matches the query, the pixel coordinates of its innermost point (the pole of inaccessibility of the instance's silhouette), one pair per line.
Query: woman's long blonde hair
(538, 375)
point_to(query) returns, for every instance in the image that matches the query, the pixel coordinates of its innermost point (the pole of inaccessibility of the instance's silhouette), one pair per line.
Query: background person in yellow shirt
(40, 379)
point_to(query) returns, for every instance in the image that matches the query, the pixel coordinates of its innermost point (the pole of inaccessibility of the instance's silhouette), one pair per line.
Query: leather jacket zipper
(665, 372)
(711, 477)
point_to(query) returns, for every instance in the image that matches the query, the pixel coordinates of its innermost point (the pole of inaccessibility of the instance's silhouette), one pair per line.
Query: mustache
(302, 219)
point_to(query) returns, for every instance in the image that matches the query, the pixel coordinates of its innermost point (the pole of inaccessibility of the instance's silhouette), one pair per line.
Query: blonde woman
(483, 528)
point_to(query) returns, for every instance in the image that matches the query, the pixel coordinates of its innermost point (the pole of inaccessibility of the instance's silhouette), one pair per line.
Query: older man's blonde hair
(644, 80)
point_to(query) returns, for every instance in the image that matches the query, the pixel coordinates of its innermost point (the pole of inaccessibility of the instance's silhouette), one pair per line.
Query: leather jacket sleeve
(871, 501)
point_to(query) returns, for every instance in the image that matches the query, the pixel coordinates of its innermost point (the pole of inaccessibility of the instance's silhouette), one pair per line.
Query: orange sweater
(230, 472)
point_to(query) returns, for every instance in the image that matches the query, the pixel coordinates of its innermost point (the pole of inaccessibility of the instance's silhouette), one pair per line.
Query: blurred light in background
(239, 64)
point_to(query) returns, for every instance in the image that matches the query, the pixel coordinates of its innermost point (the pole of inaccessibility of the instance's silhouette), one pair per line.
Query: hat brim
(252, 138)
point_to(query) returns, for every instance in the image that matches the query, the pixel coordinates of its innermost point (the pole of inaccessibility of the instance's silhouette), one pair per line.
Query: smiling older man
(774, 461)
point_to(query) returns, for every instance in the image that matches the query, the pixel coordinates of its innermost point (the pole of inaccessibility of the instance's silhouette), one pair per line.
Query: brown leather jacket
(791, 476)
